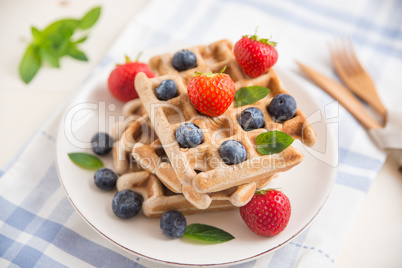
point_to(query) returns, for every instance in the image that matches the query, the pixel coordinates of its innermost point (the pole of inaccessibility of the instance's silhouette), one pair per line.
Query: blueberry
(126, 204)
(251, 118)
(101, 143)
(166, 90)
(282, 107)
(184, 60)
(232, 152)
(105, 179)
(189, 135)
(173, 224)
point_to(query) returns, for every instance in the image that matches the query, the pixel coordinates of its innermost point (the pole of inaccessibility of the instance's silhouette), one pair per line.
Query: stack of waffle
(151, 162)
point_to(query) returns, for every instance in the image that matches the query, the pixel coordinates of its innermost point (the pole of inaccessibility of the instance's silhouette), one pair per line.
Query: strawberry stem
(138, 56)
(210, 74)
(262, 40)
(256, 29)
(127, 59)
(264, 191)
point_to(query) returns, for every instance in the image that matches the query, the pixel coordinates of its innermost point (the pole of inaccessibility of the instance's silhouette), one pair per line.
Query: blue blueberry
(102, 143)
(173, 224)
(251, 118)
(282, 107)
(184, 60)
(105, 179)
(189, 135)
(166, 90)
(126, 204)
(232, 152)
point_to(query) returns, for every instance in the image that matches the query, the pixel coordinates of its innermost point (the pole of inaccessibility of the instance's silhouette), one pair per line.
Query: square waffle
(150, 174)
(152, 158)
(200, 170)
(158, 199)
(127, 133)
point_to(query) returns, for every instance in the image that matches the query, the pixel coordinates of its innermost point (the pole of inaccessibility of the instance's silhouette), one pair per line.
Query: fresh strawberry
(254, 55)
(211, 93)
(121, 79)
(267, 213)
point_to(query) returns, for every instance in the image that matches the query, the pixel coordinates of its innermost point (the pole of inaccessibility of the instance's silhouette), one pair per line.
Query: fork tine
(353, 60)
(347, 58)
(350, 70)
(343, 57)
(334, 51)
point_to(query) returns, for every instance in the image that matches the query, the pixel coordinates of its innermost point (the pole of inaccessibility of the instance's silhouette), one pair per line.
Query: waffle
(158, 199)
(132, 111)
(134, 128)
(152, 158)
(141, 151)
(200, 170)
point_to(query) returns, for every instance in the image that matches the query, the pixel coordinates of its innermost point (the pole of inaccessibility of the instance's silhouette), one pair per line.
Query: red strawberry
(211, 94)
(121, 79)
(254, 55)
(267, 213)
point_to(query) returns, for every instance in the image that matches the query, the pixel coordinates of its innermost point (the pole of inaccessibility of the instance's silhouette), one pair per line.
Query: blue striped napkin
(38, 225)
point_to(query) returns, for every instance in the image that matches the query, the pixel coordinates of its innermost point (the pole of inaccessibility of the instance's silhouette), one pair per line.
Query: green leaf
(90, 18)
(61, 49)
(81, 40)
(262, 40)
(49, 56)
(55, 42)
(37, 36)
(86, 161)
(77, 54)
(273, 142)
(61, 29)
(249, 95)
(29, 64)
(207, 233)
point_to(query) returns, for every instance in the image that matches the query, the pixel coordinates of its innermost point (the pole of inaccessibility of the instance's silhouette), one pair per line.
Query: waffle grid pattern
(201, 169)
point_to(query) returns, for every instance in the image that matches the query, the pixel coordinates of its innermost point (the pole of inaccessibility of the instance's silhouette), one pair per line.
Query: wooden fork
(354, 76)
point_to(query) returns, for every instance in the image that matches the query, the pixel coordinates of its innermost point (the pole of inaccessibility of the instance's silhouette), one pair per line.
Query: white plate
(307, 186)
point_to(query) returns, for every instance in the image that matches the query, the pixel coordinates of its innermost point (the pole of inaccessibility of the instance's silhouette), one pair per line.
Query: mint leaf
(36, 35)
(30, 64)
(90, 18)
(207, 233)
(61, 29)
(49, 56)
(86, 161)
(273, 142)
(76, 54)
(60, 49)
(55, 42)
(81, 40)
(249, 95)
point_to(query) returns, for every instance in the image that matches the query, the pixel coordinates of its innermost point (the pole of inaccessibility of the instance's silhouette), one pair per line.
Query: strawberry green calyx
(138, 57)
(264, 191)
(262, 40)
(210, 74)
(128, 60)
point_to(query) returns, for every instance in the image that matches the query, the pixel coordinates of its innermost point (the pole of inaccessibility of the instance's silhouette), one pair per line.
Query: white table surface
(375, 239)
